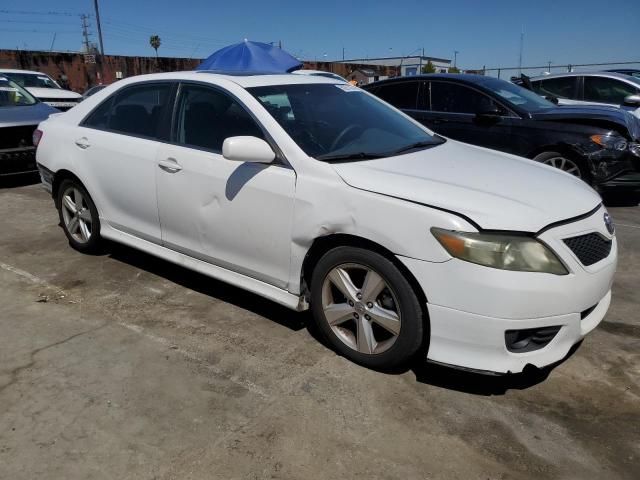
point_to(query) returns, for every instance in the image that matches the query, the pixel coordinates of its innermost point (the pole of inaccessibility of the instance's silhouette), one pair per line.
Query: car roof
(470, 78)
(13, 70)
(620, 76)
(247, 80)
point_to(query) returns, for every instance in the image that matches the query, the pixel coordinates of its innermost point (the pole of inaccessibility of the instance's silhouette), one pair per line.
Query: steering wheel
(342, 135)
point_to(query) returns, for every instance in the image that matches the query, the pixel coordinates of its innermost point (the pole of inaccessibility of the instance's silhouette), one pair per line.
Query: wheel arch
(60, 176)
(322, 245)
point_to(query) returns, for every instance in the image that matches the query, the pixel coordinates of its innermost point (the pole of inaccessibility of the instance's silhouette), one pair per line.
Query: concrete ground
(124, 366)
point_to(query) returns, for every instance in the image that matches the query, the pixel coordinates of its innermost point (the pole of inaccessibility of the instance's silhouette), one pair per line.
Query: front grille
(19, 160)
(16, 137)
(589, 248)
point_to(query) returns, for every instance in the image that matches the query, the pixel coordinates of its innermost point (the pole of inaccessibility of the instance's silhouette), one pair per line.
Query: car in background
(315, 194)
(591, 88)
(320, 73)
(20, 114)
(92, 90)
(597, 144)
(634, 72)
(44, 88)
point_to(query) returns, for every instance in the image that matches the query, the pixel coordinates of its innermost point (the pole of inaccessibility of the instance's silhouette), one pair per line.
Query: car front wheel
(564, 162)
(366, 308)
(78, 216)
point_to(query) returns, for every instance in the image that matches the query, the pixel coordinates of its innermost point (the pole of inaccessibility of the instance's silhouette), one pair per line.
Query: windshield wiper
(413, 146)
(350, 156)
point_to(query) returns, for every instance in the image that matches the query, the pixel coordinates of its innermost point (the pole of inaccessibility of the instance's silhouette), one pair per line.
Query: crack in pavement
(14, 373)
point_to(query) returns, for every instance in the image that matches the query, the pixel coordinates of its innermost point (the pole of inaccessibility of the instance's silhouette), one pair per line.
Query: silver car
(20, 114)
(595, 88)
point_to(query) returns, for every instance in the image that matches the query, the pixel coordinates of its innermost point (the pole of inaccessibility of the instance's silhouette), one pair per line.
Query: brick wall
(81, 75)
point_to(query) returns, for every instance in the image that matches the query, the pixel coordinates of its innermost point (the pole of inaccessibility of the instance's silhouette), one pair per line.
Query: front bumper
(472, 307)
(17, 161)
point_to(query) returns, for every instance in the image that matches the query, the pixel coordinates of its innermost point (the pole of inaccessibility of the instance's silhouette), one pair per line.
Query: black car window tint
(400, 95)
(206, 117)
(564, 87)
(454, 98)
(99, 117)
(138, 110)
(607, 90)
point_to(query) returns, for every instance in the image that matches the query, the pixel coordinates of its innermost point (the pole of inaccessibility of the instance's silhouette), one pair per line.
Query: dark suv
(598, 144)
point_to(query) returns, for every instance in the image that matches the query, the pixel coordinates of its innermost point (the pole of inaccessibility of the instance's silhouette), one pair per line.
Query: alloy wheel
(76, 215)
(564, 164)
(360, 308)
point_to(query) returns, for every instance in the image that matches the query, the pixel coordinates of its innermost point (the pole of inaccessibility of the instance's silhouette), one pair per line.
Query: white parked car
(44, 88)
(311, 192)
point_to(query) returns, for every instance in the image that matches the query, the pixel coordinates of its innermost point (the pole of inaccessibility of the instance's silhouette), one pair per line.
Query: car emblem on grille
(608, 222)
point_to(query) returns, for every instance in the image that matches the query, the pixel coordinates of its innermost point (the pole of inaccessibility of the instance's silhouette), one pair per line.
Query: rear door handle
(170, 165)
(83, 143)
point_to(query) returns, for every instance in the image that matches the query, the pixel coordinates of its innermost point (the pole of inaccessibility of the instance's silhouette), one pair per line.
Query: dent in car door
(233, 214)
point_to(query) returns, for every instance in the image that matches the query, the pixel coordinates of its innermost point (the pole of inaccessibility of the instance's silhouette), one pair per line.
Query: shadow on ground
(425, 372)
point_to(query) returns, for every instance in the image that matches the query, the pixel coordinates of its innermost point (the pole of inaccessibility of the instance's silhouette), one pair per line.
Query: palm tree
(154, 41)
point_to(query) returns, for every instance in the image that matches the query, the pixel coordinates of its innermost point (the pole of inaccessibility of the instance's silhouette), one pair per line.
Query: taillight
(37, 136)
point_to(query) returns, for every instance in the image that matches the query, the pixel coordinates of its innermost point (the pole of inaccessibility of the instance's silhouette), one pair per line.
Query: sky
(484, 32)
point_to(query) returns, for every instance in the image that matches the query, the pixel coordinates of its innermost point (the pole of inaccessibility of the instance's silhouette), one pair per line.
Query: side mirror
(632, 101)
(247, 149)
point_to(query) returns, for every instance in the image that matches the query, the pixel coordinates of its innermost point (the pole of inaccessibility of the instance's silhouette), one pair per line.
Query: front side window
(607, 90)
(333, 122)
(403, 95)
(12, 95)
(206, 117)
(32, 80)
(135, 110)
(563, 87)
(454, 98)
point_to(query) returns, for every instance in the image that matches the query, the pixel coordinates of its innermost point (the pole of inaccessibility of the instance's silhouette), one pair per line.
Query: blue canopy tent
(251, 57)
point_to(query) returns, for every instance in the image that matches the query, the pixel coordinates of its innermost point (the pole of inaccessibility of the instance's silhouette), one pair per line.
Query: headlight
(507, 252)
(610, 141)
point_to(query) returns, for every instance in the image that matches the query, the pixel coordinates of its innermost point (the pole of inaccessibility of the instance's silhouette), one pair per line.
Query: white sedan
(313, 193)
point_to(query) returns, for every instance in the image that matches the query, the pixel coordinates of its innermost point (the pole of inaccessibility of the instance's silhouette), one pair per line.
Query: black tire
(94, 243)
(546, 157)
(413, 319)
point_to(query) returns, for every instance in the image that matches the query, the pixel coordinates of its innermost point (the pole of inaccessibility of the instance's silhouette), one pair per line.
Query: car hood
(592, 112)
(495, 190)
(54, 93)
(25, 114)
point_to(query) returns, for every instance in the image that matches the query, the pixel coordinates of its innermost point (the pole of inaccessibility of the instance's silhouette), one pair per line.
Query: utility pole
(343, 54)
(455, 58)
(95, 4)
(53, 41)
(280, 44)
(521, 45)
(85, 33)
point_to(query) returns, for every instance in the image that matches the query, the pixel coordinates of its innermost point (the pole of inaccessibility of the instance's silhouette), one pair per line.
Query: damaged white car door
(233, 213)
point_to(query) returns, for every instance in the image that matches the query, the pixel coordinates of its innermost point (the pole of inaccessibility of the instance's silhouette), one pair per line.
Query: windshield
(341, 122)
(12, 95)
(32, 80)
(516, 95)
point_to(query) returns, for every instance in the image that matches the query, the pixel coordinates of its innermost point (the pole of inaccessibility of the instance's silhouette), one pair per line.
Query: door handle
(170, 165)
(83, 143)
(439, 120)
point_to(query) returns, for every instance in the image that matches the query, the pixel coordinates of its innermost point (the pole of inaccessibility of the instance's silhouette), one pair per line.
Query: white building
(408, 65)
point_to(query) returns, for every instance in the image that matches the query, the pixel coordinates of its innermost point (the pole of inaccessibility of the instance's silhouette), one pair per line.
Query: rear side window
(563, 87)
(137, 110)
(400, 95)
(206, 117)
(607, 90)
(454, 98)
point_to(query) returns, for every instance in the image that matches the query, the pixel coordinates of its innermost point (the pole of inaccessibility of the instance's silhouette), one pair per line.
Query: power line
(25, 12)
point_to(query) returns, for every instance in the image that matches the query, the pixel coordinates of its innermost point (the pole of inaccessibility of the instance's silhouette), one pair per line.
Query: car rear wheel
(366, 308)
(78, 216)
(565, 163)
